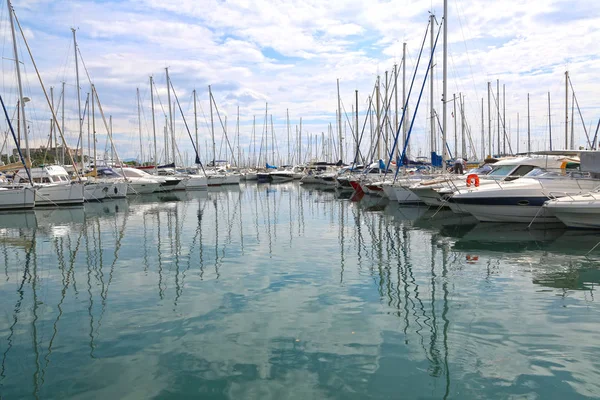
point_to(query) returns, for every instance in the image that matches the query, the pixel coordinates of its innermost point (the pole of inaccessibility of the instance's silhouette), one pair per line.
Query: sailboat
(14, 197)
(52, 184)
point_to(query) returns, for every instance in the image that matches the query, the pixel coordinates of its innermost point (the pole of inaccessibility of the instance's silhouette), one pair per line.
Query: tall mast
(464, 127)
(549, 122)
(52, 134)
(444, 81)
(405, 112)
(89, 139)
(498, 114)
(78, 97)
(517, 133)
(455, 133)
(212, 126)
(153, 125)
(254, 141)
(431, 82)
(287, 116)
(573, 122)
(171, 126)
(94, 132)
(196, 122)
(18, 68)
(112, 152)
(482, 133)
(567, 110)
(489, 120)
(528, 128)
(377, 127)
(386, 109)
(140, 126)
(340, 120)
(238, 138)
(62, 128)
(396, 109)
(300, 142)
(504, 117)
(356, 128)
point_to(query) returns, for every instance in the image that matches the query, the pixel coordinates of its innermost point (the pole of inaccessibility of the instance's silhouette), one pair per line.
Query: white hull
(389, 192)
(429, 196)
(250, 176)
(577, 211)
(139, 187)
(94, 191)
(61, 194)
(282, 177)
(196, 182)
(117, 190)
(405, 196)
(17, 198)
(220, 180)
(507, 213)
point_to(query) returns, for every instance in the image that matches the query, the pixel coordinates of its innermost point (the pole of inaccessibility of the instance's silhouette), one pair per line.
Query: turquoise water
(286, 292)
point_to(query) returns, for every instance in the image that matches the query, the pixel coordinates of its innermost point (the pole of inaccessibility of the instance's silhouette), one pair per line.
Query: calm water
(283, 292)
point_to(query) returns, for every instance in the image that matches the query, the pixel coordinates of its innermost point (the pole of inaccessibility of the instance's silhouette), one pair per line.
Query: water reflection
(264, 290)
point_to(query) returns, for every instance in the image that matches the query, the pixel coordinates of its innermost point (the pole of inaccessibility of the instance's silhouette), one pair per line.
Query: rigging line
(404, 106)
(466, 48)
(579, 110)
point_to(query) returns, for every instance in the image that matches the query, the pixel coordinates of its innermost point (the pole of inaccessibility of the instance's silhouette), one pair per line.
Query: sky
(287, 55)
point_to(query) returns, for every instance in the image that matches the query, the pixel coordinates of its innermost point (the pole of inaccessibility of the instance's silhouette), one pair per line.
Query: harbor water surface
(287, 292)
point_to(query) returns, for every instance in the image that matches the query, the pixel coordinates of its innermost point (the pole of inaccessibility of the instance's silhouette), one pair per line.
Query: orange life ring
(472, 179)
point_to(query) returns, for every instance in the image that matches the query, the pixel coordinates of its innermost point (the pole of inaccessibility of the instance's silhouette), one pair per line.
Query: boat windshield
(502, 170)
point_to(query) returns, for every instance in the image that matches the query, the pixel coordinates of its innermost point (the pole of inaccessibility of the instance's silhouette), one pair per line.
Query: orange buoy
(472, 179)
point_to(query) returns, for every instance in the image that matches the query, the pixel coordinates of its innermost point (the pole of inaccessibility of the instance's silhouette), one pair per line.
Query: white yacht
(582, 211)
(521, 200)
(53, 187)
(433, 192)
(220, 177)
(138, 182)
(17, 197)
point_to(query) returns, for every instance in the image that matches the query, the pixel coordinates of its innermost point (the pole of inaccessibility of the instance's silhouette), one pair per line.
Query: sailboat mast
(287, 116)
(153, 124)
(405, 112)
(140, 126)
(518, 133)
(489, 120)
(18, 68)
(549, 122)
(212, 125)
(171, 126)
(356, 128)
(62, 128)
(528, 128)
(482, 133)
(87, 101)
(52, 133)
(445, 81)
(431, 84)
(300, 142)
(340, 121)
(396, 109)
(455, 133)
(566, 110)
(78, 97)
(94, 131)
(196, 120)
(498, 114)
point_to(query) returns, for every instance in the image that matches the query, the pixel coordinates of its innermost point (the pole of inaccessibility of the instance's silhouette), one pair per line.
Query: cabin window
(502, 170)
(45, 179)
(522, 170)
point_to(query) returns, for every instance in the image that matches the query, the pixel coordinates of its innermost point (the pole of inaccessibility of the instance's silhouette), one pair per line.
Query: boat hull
(17, 198)
(59, 195)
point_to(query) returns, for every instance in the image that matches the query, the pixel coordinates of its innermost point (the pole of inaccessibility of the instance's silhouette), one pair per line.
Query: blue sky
(290, 53)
